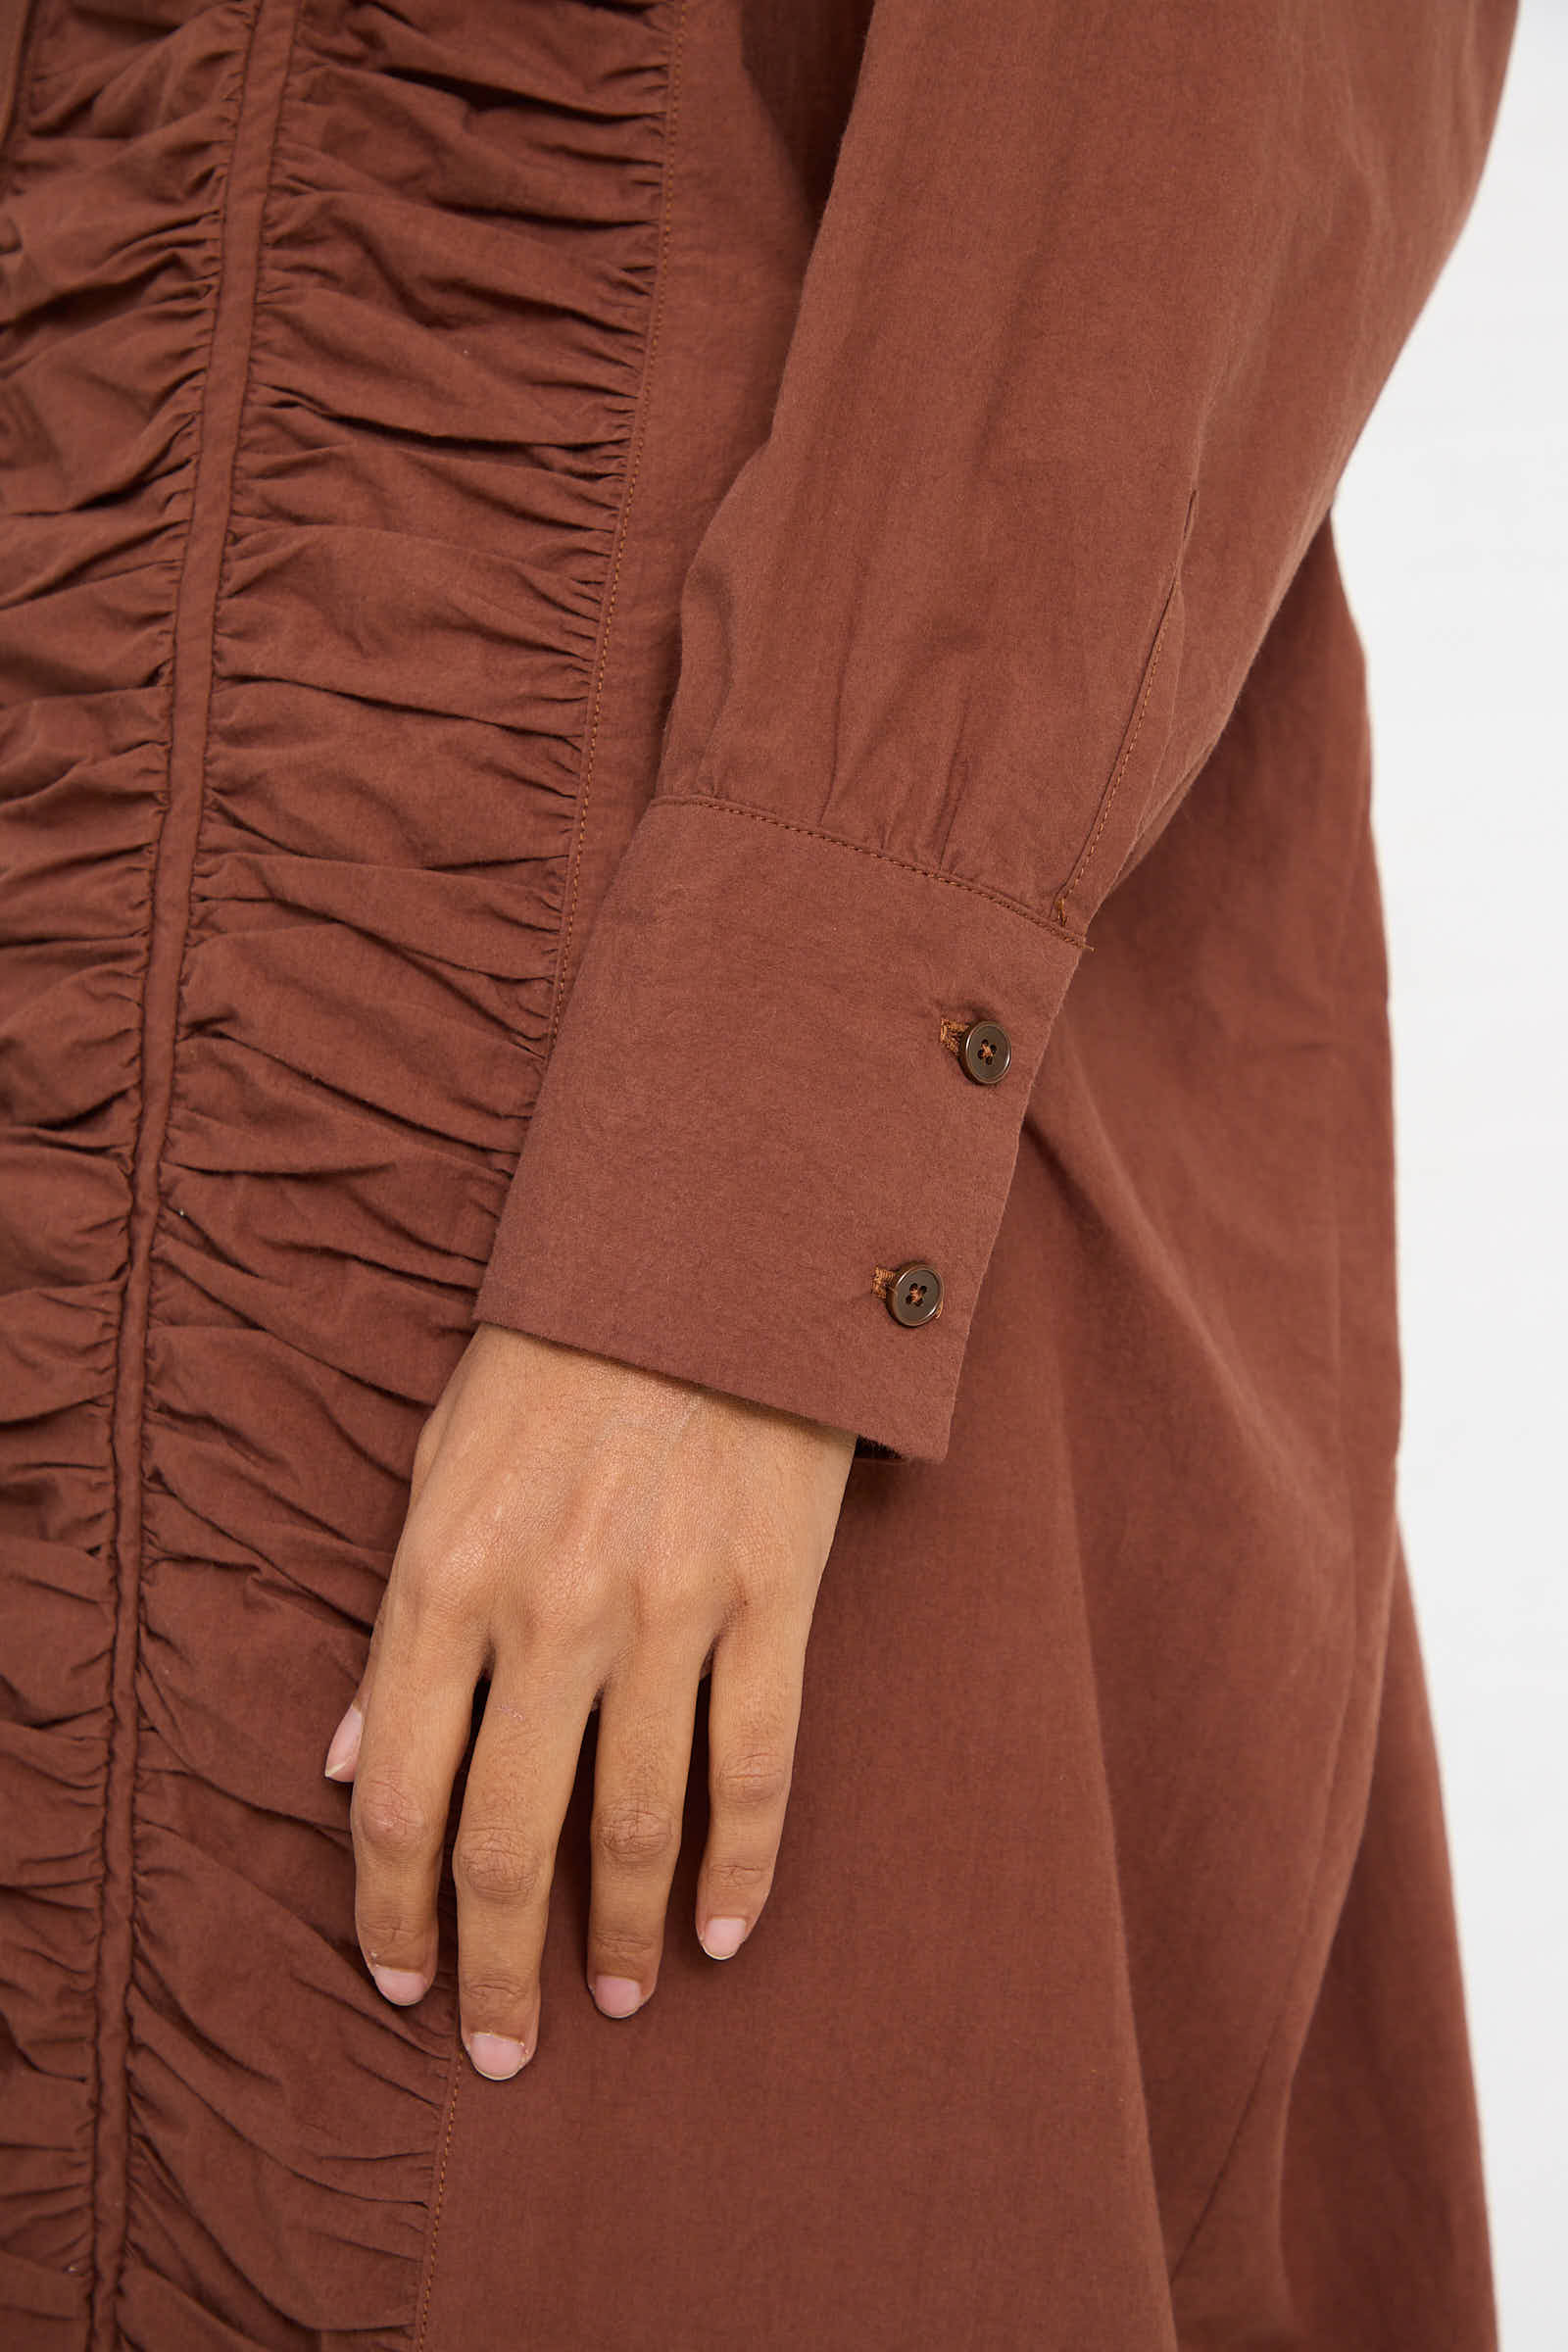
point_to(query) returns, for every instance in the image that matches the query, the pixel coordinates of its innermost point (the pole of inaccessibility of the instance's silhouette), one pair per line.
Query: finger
(416, 1723)
(754, 1714)
(502, 1860)
(641, 1767)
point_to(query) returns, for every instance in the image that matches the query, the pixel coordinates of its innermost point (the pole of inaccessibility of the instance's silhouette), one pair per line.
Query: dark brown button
(985, 1052)
(914, 1293)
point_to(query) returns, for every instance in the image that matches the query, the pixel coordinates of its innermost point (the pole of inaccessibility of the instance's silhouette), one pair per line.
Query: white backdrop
(1452, 526)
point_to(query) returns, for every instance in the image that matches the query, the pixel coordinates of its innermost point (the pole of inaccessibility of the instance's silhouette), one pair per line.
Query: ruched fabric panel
(115, 180)
(300, 582)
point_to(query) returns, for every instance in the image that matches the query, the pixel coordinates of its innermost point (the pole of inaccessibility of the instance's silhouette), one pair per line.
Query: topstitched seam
(1173, 598)
(911, 866)
(440, 2199)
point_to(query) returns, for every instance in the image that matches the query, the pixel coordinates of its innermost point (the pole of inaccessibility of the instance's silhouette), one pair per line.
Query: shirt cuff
(764, 1106)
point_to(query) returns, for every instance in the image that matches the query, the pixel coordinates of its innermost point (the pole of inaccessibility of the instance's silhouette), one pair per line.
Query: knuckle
(388, 1933)
(492, 1996)
(564, 1596)
(626, 1952)
(560, 1615)
(440, 1585)
(634, 1831)
(389, 1820)
(763, 1592)
(736, 1875)
(754, 1779)
(665, 1591)
(497, 1864)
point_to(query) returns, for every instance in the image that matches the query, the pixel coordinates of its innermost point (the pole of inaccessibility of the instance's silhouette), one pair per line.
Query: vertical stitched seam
(105, 2280)
(95, 2162)
(1172, 595)
(454, 2090)
(634, 466)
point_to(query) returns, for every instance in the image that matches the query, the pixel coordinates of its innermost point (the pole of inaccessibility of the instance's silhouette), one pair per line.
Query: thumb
(344, 1751)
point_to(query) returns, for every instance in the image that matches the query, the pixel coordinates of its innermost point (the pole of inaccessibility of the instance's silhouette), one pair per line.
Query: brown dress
(584, 586)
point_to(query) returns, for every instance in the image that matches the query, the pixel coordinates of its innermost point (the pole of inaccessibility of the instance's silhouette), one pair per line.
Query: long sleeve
(1099, 304)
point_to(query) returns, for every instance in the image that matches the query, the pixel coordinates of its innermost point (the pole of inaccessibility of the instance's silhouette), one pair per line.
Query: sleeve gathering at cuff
(756, 1113)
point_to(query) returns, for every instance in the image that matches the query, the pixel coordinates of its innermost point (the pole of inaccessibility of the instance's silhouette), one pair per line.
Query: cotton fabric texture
(576, 579)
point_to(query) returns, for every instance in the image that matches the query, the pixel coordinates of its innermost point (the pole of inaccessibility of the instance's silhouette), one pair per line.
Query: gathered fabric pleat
(281, 911)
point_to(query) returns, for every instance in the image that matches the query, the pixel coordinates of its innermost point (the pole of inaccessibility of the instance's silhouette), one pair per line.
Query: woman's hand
(584, 1532)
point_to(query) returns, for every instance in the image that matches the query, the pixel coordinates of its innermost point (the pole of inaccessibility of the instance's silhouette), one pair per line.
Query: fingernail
(722, 1938)
(401, 1984)
(494, 2055)
(617, 1997)
(345, 1742)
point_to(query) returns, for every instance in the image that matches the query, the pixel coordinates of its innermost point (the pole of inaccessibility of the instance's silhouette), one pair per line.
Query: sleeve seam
(1048, 922)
